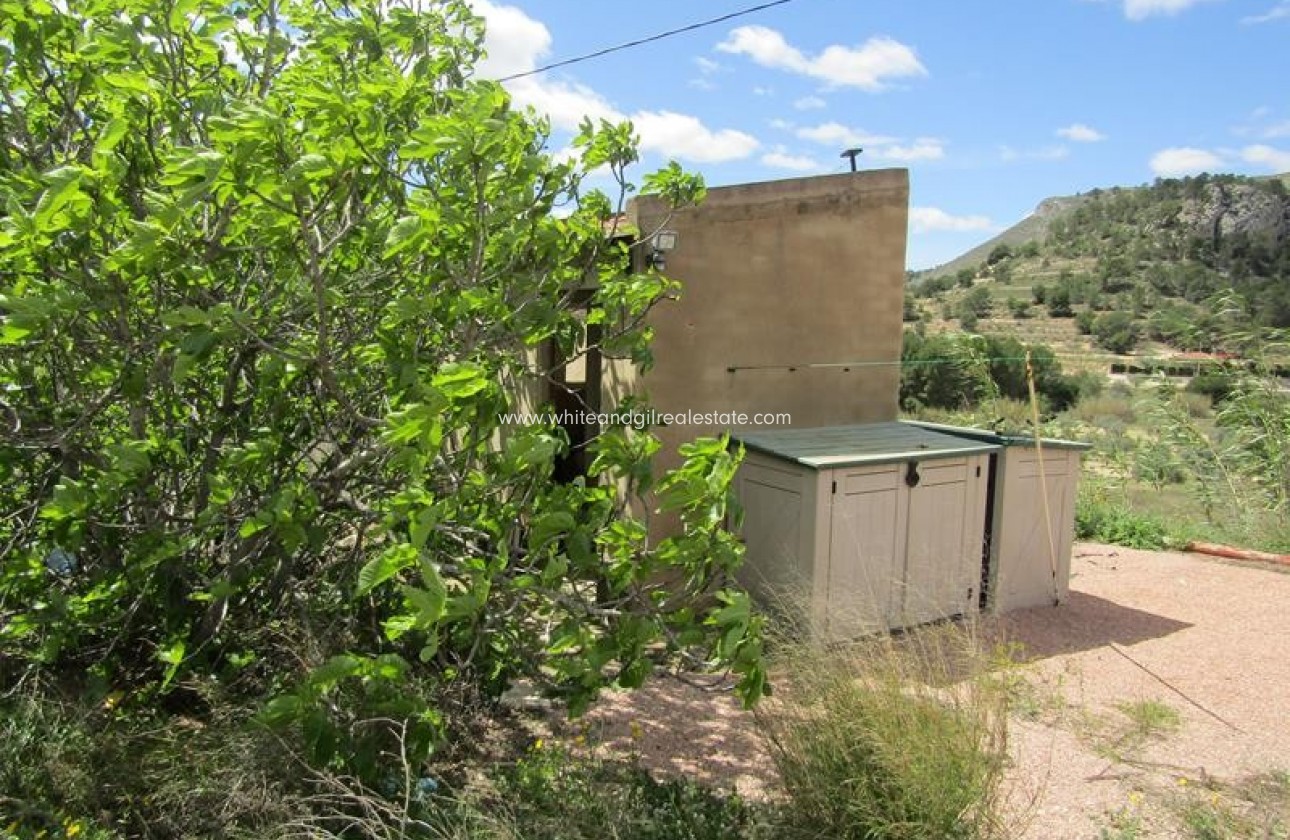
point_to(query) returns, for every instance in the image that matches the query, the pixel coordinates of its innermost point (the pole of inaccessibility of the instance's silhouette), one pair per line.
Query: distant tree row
(958, 370)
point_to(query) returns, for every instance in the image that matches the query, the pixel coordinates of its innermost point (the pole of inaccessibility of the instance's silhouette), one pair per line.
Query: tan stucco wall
(781, 274)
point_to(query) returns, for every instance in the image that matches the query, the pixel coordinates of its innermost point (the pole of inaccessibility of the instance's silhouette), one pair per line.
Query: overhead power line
(659, 37)
(1059, 355)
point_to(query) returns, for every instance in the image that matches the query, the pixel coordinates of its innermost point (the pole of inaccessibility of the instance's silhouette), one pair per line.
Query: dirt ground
(1200, 641)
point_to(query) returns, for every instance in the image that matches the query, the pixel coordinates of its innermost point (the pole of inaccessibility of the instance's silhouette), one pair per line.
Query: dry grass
(1256, 808)
(892, 737)
(1097, 410)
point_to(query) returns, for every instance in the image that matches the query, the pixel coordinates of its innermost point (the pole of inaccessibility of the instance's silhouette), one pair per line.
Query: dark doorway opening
(575, 392)
(987, 544)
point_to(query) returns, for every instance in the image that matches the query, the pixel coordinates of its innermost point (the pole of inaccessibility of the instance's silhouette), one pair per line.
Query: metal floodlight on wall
(660, 243)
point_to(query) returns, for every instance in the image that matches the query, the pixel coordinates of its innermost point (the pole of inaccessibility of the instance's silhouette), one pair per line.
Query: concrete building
(791, 304)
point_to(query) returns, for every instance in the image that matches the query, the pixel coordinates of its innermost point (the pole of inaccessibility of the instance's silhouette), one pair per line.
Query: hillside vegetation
(1033, 227)
(1185, 277)
(1182, 265)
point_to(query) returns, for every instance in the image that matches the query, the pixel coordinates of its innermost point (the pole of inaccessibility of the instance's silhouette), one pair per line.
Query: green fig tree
(271, 273)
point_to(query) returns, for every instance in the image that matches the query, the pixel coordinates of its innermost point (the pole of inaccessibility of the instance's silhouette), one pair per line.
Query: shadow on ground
(1083, 622)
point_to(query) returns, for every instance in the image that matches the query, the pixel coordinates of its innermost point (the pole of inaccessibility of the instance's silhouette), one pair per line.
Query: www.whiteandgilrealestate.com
(644, 419)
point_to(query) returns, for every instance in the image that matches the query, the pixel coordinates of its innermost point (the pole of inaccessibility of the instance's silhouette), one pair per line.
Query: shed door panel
(772, 503)
(939, 564)
(1026, 463)
(866, 546)
(1026, 560)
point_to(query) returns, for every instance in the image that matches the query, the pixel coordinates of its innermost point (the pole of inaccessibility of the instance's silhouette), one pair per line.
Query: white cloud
(1275, 160)
(566, 103)
(684, 136)
(867, 66)
(809, 103)
(760, 90)
(781, 124)
(928, 219)
(1277, 12)
(781, 159)
(1081, 133)
(1009, 154)
(1281, 129)
(876, 146)
(515, 42)
(837, 134)
(924, 148)
(706, 65)
(1184, 160)
(1263, 123)
(1143, 9)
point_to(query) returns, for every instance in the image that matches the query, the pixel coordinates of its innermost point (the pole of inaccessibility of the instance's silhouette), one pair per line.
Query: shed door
(943, 554)
(1025, 556)
(775, 566)
(866, 549)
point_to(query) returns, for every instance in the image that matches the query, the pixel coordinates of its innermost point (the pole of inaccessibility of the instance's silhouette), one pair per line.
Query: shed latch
(911, 474)
(835, 487)
(978, 470)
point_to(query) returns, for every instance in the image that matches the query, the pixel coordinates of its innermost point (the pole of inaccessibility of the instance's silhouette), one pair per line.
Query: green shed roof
(1001, 438)
(869, 443)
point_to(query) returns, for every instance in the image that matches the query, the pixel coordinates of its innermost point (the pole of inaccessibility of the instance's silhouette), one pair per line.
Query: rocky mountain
(1197, 263)
(1233, 209)
(1032, 228)
(1214, 206)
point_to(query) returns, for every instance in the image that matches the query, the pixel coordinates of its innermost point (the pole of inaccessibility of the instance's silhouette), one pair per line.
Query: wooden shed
(871, 527)
(1022, 567)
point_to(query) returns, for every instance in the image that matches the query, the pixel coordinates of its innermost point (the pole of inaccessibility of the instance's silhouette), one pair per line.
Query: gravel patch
(1206, 638)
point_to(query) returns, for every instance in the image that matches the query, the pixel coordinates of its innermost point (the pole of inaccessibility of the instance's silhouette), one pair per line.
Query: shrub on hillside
(1216, 385)
(1059, 303)
(978, 302)
(944, 371)
(947, 371)
(1088, 384)
(1084, 321)
(910, 311)
(1008, 371)
(1018, 308)
(1116, 331)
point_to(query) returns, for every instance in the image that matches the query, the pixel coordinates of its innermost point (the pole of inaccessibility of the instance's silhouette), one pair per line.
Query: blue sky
(993, 105)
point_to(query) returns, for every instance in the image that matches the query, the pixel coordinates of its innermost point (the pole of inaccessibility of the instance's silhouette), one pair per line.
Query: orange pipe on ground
(1231, 553)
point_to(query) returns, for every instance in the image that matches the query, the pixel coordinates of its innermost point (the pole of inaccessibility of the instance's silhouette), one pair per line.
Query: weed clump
(1099, 519)
(895, 737)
